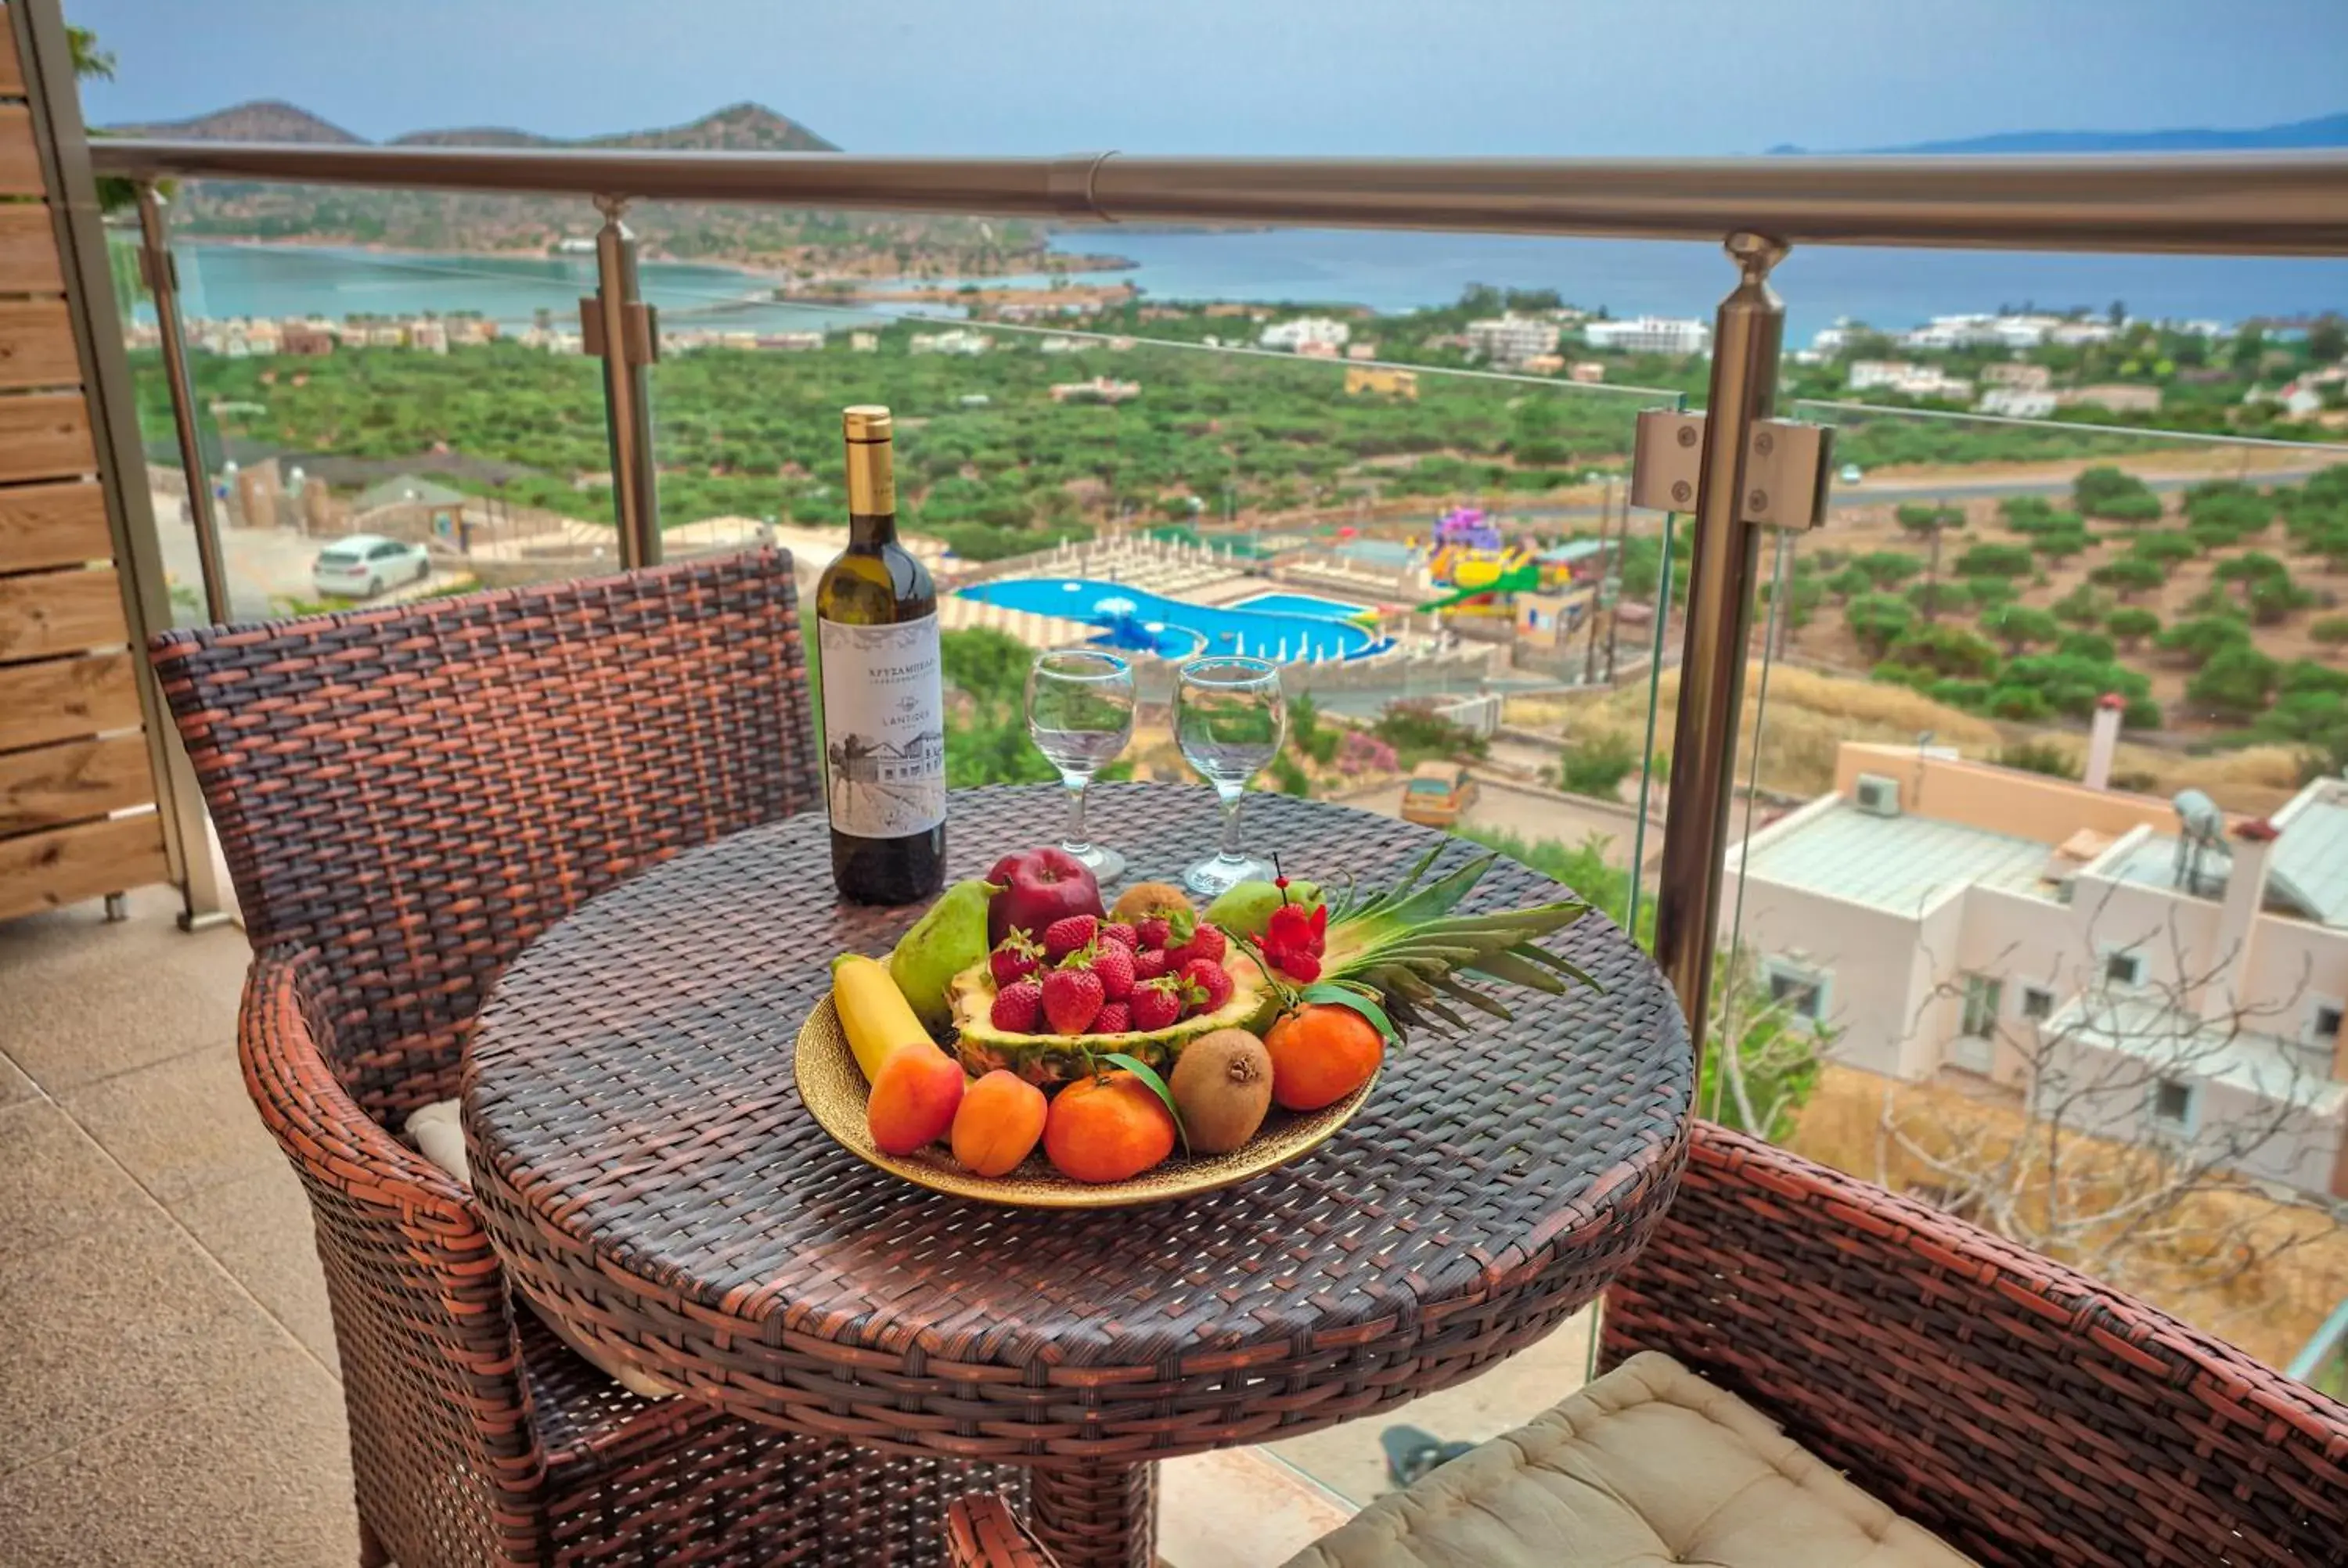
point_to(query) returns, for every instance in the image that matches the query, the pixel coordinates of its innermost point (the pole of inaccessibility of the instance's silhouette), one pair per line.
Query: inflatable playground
(1476, 568)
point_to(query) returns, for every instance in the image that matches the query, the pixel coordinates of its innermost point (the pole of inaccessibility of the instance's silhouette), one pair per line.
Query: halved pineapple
(1060, 1058)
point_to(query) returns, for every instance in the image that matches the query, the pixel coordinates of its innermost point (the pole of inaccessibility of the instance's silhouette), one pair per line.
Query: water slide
(1523, 580)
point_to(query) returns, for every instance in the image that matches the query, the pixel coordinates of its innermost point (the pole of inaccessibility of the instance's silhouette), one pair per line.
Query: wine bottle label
(884, 727)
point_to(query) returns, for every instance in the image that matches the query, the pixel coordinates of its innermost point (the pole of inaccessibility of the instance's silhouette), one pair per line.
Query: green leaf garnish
(1336, 995)
(1149, 1075)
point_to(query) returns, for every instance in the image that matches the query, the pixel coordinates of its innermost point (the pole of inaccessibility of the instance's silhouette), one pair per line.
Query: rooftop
(2308, 876)
(2258, 1063)
(1900, 864)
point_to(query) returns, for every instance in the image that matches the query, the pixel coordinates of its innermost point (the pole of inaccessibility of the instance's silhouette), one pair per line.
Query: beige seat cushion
(1648, 1466)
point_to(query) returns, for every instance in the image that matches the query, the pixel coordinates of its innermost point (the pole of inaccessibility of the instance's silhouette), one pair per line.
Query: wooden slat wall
(76, 783)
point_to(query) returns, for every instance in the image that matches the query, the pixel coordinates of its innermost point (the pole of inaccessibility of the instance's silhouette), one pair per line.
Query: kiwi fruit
(1222, 1085)
(1144, 899)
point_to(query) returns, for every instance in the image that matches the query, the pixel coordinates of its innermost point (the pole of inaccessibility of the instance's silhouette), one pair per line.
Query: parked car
(365, 564)
(1437, 793)
(1849, 475)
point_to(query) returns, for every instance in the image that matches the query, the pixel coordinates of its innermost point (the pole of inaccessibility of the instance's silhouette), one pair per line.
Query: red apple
(1039, 887)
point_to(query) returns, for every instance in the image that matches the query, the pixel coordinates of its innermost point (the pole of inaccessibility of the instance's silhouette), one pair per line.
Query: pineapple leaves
(1149, 1075)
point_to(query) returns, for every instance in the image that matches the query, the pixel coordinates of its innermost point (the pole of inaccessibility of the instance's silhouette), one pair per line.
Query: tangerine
(1107, 1129)
(1320, 1053)
(1001, 1117)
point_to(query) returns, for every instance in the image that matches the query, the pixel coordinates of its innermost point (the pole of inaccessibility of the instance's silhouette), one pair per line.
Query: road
(266, 567)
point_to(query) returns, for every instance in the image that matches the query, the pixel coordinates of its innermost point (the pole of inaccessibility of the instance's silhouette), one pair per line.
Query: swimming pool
(1303, 604)
(1174, 629)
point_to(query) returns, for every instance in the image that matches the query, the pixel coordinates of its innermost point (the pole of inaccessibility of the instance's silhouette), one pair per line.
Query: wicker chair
(2023, 1412)
(406, 795)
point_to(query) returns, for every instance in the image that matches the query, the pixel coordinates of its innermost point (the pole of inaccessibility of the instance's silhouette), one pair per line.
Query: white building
(427, 337)
(2017, 402)
(1650, 334)
(1509, 339)
(1909, 380)
(960, 340)
(2072, 334)
(1059, 342)
(1831, 340)
(2016, 373)
(864, 342)
(2168, 973)
(1292, 335)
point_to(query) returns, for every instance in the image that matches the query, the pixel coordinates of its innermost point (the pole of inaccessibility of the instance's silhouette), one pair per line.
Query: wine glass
(1229, 720)
(1081, 714)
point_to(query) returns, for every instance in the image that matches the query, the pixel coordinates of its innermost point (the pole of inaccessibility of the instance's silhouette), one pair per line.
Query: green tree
(1597, 766)
(2061, 544)
(1948, 652)
(2168, 548)
(2083, 606)
(2203, 637)
(2018, 626)
(2327, 339)
(2132, 625)
(1928, 520)
(1887, 569)
(2328, 628)
(2235, 683)
(1994, 560)
(1876, 619)
(2128, 575)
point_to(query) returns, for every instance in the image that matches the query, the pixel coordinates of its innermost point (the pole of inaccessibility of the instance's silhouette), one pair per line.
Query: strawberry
(1065, 935)
(1206, 974)
(1154, 1003)
(1013, 958)
(1118, 931)
(1206, 943)
(1018, 1008)
(1303, 968)
(1149, 934)
(1113, 965)
(1071, 996)
(1149, 963)
(1112, 1019)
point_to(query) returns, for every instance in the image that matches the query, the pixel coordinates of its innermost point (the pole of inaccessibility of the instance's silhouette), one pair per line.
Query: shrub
(2144, 509)
(2024, 513)
(2141, 713)
(1994, 560)
(1946, 650)
(2330, 628)
(2083, 606)
(2166, 546)
(1991, 592)
(2018, 626)
(2098, 490)
(1289, 776)
(2304, 675)
(2063, 544)
(2037, 757)
(2131, 625)
(1597, 766)
(2273, 599)
(1417, 734)
(1921, 519)
(1362, 753)
(2199, 638)
(2071, 684)
(2087, 645)
(1938, 598)
(1887, 569)
(2021, 703)
(1876, 619)
(2129, 575)
(2235, 682)
(1849, 582)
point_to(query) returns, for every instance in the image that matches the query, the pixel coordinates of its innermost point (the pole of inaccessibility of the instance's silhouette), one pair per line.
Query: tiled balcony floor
(169, 1392)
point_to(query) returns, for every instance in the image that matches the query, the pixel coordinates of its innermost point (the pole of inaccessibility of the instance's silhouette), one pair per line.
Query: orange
(1107, 1129)
(1002, 1116)
(1320, 1053)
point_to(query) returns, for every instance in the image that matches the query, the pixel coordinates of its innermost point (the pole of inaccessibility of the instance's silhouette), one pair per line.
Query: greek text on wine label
(884, 727)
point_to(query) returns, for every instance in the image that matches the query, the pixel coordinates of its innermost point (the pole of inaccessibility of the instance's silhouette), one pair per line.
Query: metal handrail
(2280, 204)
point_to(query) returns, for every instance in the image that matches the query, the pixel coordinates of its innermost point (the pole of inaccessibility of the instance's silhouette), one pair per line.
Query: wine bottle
(884, 732)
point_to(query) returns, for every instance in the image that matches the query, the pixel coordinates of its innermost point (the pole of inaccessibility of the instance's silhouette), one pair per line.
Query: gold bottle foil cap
(871, 480)
(865, 421)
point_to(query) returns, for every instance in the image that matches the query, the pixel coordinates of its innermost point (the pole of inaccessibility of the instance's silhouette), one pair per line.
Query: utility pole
(1598, 591)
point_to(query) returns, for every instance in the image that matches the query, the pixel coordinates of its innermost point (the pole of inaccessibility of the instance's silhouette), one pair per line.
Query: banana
(879, 1021)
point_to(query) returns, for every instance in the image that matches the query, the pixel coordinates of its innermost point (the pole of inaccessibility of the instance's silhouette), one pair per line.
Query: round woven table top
(647, 1171)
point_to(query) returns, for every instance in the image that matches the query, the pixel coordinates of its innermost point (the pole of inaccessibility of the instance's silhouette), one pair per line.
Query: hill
(2328, 131)
(813, 244)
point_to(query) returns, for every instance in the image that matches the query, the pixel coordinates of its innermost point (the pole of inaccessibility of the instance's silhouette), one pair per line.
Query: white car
(365, 564)
(1850, 474)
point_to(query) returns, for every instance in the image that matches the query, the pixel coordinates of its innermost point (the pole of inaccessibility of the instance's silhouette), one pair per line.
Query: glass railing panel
(440, 405)
(1442, 559)
(2040, 697)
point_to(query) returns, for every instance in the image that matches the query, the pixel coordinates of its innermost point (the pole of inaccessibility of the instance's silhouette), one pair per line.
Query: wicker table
(646, 1169)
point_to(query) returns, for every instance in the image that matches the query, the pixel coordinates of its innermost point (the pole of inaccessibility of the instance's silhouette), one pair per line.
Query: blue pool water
(1176, 630)
(1302, 604)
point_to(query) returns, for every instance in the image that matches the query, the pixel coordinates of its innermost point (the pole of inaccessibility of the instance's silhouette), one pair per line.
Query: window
(1982, 997)
(2323, 1021)
(2123, 968)
(2176, 1104)
(384, 552)
(1802, 991)
(2037, 1003)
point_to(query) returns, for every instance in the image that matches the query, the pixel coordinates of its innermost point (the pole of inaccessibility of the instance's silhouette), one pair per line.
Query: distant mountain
(2331, 130)
(264, 119)
(823, 244)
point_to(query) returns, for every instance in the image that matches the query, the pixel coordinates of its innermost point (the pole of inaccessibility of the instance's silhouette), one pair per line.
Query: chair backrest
(417, 791)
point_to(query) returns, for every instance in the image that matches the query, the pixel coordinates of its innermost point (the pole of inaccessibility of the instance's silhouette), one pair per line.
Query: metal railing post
(162, 276)
(619, 326)
(1722, 566)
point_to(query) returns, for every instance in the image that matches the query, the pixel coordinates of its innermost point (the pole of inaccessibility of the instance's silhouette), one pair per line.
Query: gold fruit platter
(834, 1089)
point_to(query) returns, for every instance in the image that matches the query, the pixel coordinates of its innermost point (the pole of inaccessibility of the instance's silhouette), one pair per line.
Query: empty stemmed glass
(1229, 720)
(1081, 714)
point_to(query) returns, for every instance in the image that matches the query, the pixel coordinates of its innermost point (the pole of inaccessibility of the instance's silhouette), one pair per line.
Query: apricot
(1107, 1129)
(913, 1099)
(1001, 1118)
(1320, 1054)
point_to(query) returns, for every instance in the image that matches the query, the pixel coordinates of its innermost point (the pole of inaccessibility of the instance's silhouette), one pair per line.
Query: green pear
(944, 942)
(1246, 909)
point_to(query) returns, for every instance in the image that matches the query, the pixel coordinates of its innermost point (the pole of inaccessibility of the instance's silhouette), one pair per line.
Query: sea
(1385, 269)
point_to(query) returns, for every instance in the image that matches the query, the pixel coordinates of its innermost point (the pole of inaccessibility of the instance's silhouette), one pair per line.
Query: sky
(1437, 77)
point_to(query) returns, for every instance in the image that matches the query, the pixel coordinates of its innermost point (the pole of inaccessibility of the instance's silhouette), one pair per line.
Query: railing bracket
(1787, 466)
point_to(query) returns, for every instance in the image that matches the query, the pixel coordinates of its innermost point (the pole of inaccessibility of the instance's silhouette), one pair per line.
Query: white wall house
(1508, 340)
(1650, 334)
(2017, 402)
(1293, 335)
